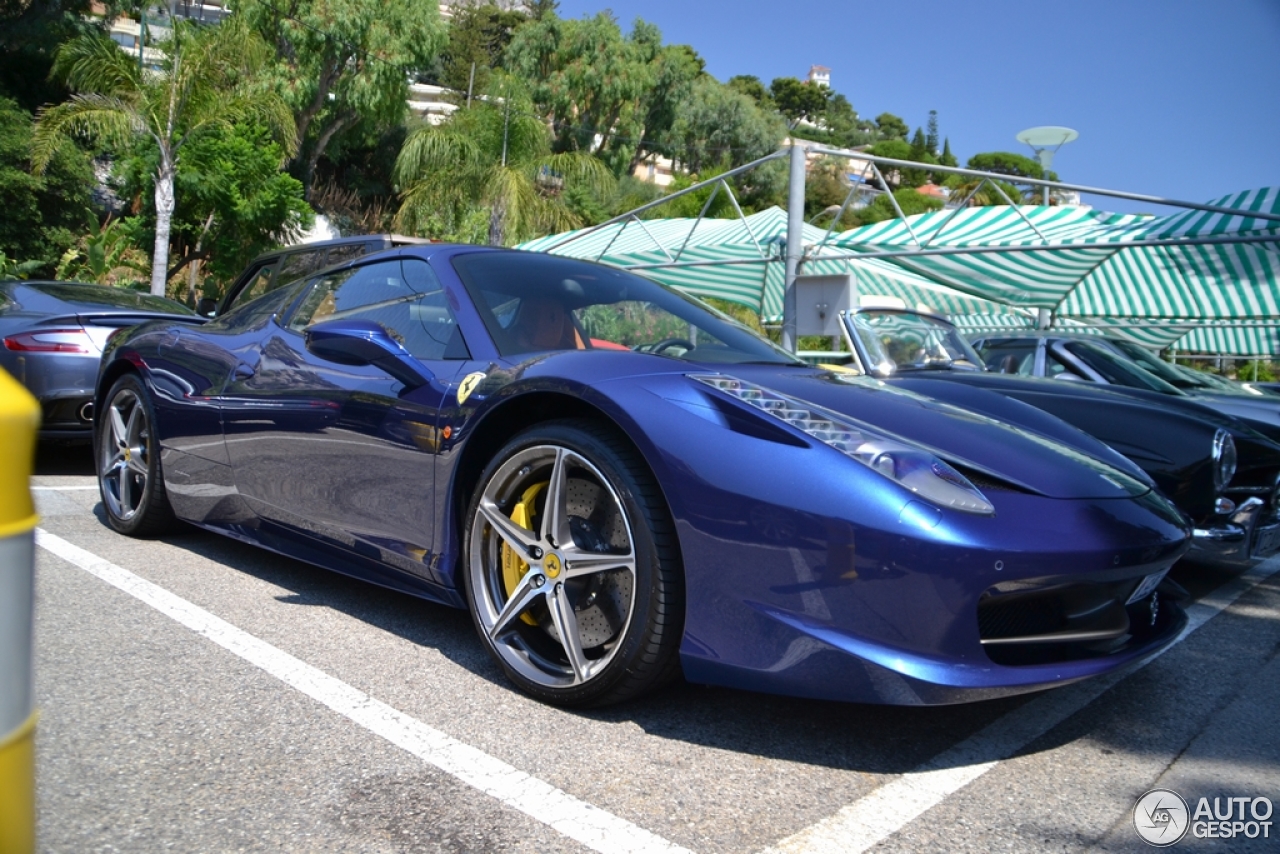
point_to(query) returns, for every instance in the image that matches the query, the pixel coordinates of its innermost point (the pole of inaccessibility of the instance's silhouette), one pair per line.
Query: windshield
(1159, 367)
(896, 341)
(1117, 370)
(532, 302)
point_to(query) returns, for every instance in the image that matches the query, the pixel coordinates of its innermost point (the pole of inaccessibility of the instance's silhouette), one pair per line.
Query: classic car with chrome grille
(623, 486)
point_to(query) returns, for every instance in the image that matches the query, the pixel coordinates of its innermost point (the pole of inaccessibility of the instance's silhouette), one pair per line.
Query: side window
(295, 265)
(256, 287)
(339, 254)
(403, 297)
(1055, 368)
(1009, 358)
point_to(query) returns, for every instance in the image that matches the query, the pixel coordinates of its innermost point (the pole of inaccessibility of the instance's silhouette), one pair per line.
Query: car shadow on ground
(842, 736)
(64, 458)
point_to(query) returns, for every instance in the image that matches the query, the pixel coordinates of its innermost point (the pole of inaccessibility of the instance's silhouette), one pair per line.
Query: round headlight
(1224, 459)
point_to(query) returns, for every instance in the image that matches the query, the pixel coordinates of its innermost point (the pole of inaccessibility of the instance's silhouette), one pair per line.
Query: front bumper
(1251, 532)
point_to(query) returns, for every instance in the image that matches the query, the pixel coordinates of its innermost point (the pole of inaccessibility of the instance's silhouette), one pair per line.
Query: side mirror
(363, 342)
(206, 307)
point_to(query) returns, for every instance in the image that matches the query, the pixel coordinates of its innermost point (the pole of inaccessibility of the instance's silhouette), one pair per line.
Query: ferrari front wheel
(573, 575)
(127, 453)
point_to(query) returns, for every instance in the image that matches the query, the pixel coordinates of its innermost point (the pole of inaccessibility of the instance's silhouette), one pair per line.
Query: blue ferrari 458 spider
(623, 485)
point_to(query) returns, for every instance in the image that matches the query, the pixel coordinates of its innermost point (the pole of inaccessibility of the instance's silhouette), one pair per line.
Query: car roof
(391, 241)
(52, 296)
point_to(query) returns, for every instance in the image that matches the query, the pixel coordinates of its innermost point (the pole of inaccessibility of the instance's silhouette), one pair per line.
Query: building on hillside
(820, 75)
(431, 102)
(655, 169)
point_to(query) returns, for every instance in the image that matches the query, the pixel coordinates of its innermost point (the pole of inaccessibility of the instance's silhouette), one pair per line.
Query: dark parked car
(1114, 361)
(618, 483)
(1219, 470)
(279, 267)
(51, 339)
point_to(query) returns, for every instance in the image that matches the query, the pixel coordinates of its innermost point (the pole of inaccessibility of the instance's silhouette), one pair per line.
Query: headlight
(1224, 459)
(913, 468)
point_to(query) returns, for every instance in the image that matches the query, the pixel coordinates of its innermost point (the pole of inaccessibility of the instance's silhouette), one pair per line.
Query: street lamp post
(1045, 142)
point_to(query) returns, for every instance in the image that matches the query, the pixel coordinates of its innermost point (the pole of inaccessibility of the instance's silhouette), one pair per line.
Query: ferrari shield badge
(468, 385)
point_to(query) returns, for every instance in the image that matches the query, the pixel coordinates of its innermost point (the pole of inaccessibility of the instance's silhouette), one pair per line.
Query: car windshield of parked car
(1159, 367)
(1117, 370)
(898, 341)
(531, 302)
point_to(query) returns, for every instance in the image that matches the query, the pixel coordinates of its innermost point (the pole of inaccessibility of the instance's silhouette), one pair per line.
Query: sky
(1178, 99)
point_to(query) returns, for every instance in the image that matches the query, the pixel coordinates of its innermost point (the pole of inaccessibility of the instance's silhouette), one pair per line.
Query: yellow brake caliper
(513, 568)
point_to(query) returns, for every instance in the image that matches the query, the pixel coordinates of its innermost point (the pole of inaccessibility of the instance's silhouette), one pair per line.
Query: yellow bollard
(19, 420)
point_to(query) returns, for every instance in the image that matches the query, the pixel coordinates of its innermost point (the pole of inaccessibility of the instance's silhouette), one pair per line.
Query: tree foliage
(889, 126)
(495, 156)
(718, 126)
(799, 101)
(207, 84)
(478, 39)
(42, 211)
(341, 61)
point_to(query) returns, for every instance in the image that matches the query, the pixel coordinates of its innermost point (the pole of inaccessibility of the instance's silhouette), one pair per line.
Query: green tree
(539, 9)
(750, 85)
(799, 101)
(595, 86)
(206, 84)
(234, 202)
(31, 31)
(495, 156)
(947, 158)
(42, 211)
(1015, 166)
(931, 137)
(889, 126)
(106, 254)
(719, 126)
(673, 70)
(478, 38)
(881, 208)
(341, 61)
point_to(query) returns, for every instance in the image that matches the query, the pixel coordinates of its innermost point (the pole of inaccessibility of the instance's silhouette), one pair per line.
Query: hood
(974, 443)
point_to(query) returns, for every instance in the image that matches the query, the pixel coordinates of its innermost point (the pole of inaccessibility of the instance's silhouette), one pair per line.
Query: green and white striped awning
(1079, 262)
(992, 267)
(741, 260)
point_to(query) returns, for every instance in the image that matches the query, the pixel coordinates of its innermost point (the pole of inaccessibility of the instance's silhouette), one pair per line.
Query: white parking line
(576, 819)
(891, 807)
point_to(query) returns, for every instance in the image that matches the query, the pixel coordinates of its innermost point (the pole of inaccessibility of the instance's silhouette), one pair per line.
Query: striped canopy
(992, 267)
(742, 261)
(1083, 263)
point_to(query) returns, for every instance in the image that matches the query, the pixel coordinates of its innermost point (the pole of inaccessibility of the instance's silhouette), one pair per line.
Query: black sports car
(1116, 362)
(1221, 472)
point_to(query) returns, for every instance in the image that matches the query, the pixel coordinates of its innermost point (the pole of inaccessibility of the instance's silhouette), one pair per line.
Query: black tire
(127, 459)
(601, 559)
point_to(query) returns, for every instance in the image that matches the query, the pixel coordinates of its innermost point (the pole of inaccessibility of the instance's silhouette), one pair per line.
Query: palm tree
(206, 83)
(495, 155)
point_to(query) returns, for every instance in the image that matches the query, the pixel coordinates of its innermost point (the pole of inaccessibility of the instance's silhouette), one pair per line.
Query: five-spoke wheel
(128, 461)
(572, 573)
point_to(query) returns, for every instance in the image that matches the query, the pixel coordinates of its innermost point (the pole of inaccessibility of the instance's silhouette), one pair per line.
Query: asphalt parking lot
(201, 695)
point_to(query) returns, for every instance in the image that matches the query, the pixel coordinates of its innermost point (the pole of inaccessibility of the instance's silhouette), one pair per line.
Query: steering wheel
(671, 342)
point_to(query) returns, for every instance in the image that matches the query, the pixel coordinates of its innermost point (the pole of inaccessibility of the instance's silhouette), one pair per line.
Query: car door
(346, 453)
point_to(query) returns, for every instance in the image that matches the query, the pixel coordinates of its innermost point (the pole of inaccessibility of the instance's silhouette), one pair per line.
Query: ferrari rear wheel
(573, 575)
(128, 462)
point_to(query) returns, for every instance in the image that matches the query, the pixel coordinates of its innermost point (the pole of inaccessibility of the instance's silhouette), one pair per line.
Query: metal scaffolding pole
(795, 246)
